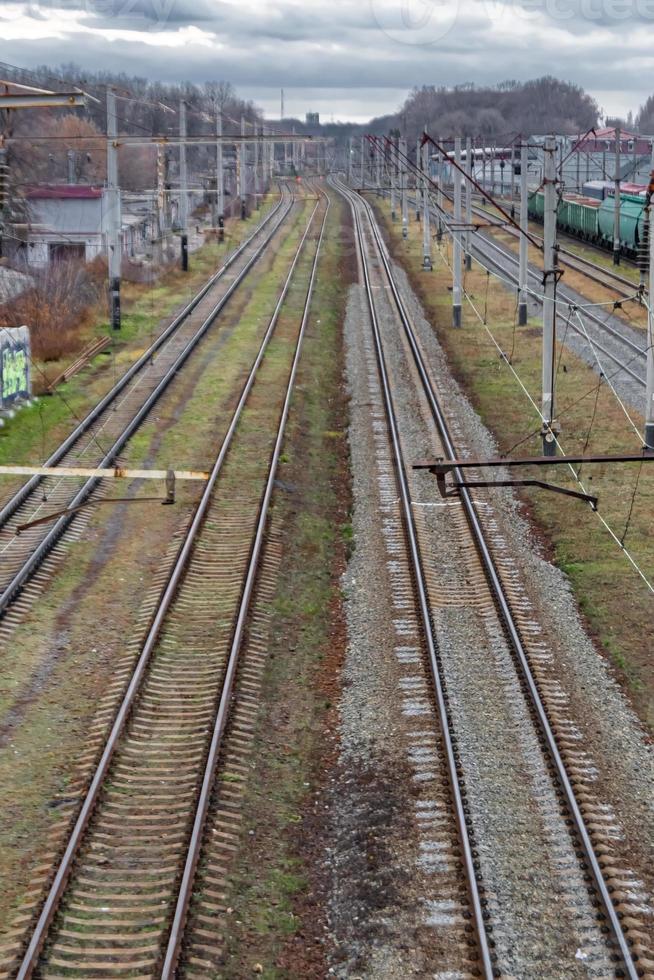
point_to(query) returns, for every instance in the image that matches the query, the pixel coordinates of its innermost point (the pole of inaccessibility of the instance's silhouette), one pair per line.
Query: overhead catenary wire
(630, 558)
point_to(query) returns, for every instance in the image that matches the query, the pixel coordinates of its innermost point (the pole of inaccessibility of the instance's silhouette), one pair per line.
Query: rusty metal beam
(445, 465)
(46, 100)
(116, 473)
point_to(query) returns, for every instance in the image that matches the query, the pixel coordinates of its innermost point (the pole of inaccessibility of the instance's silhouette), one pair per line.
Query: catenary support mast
(524, 243)
(183, 187)
(114, 250)
(456, 238)
(550, 275)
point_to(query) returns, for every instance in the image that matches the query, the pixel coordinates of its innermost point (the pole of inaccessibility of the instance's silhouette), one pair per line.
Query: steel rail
(506, 614)
(566, 298)
(423, 602)
(57, 888)
(21, 495)
(36, 557)
(639, 352)
(175, 940)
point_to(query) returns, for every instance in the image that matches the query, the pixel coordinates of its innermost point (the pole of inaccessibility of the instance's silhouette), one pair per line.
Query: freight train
(592, 220)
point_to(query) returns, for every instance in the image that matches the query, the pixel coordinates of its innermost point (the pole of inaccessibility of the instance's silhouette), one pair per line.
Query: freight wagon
(592, 220)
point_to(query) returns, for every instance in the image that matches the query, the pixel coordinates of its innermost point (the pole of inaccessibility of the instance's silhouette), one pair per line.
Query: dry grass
(57, 309)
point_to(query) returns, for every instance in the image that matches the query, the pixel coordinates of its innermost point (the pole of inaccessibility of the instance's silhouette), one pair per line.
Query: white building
(69, 221)
(66, 221)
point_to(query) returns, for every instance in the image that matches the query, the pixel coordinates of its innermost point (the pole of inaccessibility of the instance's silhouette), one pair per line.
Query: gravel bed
(528, 865)
(385, 916)
(611, 738)
(393, 911)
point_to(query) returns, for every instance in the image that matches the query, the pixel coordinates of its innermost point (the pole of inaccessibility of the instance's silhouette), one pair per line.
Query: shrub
(57, 307)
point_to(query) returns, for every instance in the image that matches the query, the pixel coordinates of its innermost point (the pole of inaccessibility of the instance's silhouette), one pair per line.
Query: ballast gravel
(378, 896)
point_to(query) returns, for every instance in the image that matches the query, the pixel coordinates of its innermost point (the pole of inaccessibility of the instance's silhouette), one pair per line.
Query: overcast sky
(347, 59)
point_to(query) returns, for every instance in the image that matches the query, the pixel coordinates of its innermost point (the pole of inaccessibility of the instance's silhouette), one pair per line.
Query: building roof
(609, 133)
(62, 192)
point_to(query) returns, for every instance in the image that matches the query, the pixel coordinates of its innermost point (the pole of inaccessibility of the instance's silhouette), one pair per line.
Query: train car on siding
(591, 219)
(631, 221)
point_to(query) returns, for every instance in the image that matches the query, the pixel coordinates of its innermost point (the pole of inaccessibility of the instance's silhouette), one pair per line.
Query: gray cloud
(365, 47)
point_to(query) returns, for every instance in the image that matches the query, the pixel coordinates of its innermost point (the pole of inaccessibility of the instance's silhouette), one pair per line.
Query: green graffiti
(15, 374)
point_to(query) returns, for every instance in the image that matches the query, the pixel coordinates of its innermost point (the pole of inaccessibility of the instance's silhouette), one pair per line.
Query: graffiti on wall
(15, 379)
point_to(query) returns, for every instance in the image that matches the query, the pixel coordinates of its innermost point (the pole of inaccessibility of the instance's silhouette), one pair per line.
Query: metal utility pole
(649, 404)
(241, 173)
(439, 196)
(470, 170)
(220, 177)
(362, 163)
(419, 180)
(616, 200)
(183, 187)
(524, 241)
(114, 222)
(426, 222)
(405, 197)
(550, 274)
(161, 203)
(391, 163)
(456, 238)
(271, 157)
(257, 188)
(349, 161)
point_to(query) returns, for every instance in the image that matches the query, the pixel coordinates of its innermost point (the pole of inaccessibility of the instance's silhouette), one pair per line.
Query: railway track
(118, 902)
(604, 277)
(104, 433)
(626, 350)
(580, 889)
